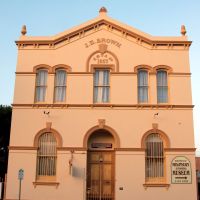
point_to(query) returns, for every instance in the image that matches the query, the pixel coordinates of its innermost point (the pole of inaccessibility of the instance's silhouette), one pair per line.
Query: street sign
(181, 170)
(21, 174)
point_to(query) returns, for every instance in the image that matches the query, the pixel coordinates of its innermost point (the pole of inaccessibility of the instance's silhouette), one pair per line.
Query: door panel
(100, 181)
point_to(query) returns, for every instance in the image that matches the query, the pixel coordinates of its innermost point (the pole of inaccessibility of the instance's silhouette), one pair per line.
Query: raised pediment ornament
(23, 31)
(103, 48)
(102, 123)
(48, 126)
(183, 30)
(103, 10)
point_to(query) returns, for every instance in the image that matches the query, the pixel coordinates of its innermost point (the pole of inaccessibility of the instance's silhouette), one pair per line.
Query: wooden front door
(100, 175)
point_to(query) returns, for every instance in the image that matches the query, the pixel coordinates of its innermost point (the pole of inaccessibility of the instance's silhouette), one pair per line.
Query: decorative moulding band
(113, 73)
(129, 149)
(71, 149)
(103, 24)
(137, 106)
(180, 149)
(22, 148)
(58, 148)
(116, 149)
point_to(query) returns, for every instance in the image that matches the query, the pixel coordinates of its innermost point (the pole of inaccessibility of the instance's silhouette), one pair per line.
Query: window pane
(105, 77)
(142, 78)
(142, 86)
(41, 78)
(162, 94)
(60, 78)
(60, 93)
(40, 93)
(162, 78)
(105, 95)
(142, 94)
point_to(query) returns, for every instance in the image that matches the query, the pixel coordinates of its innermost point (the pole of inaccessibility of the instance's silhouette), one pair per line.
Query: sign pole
(20, 183)
(20, 177)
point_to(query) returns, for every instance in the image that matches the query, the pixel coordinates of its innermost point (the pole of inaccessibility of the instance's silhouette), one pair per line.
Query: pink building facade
(102, 111)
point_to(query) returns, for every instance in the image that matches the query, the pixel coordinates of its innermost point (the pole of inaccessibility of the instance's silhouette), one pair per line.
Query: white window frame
(99, 87)
(61, 86)
(162, 87)
(143, 86)
(38, 97)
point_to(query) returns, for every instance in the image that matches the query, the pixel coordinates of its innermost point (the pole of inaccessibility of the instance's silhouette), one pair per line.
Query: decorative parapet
(103, 22)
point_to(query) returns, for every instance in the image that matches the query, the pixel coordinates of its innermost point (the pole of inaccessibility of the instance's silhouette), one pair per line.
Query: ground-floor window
(154, 158)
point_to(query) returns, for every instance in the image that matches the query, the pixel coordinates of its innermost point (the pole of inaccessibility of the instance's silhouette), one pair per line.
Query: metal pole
(20, 182)
(100, 181)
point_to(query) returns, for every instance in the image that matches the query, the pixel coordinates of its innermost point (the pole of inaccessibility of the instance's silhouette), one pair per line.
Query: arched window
(41, 85)
(47, 155)
(142, 86)
(162, 86)
(101, 85)
(60, 86)
(154, 158)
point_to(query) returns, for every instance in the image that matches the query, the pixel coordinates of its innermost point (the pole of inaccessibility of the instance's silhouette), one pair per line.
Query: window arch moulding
(67, 68)
(162, 67)
(163, 135)
(143, 67)
(42, 66)
(106, 59)
(55, 133)
(105, 127)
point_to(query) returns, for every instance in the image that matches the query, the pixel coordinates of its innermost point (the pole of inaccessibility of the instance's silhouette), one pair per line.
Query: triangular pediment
(103, 22)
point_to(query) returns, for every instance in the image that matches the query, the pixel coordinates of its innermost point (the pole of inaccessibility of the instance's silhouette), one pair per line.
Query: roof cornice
(103, 22)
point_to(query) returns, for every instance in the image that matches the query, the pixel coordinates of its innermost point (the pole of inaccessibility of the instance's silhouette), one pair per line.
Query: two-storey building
(102, 111)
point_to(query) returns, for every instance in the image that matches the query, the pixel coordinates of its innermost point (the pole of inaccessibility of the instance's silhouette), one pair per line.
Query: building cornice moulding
(110, 25)
(116, 149)
(137, 106)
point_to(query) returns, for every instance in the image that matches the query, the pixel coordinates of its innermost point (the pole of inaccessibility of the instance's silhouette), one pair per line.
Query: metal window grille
(47, 155)
(154, 158)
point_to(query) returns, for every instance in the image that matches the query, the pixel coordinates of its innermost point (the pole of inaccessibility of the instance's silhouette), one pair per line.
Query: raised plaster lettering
(104, 41)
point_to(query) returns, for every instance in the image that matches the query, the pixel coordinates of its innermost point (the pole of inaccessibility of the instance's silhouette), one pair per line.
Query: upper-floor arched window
(142, 86)
(162, 86)
(60, 86)
(41, 85)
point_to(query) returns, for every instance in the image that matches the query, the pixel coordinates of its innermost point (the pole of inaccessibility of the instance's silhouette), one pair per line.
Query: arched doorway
(100, 165)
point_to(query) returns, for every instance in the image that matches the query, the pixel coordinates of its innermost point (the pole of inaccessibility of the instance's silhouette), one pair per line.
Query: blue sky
(49, 17)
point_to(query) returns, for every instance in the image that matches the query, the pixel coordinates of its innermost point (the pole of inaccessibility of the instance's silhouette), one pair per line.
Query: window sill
(102, 104)
(40, 102)
(50, 183)
(146, 185)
